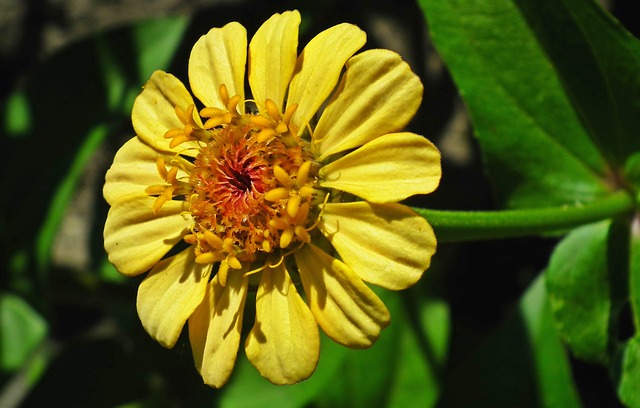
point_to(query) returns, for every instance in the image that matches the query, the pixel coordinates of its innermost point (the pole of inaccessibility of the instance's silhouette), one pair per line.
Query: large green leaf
(630, 376)
(522, 364)
(598, 61)
(68, 106)
(402, 369)
(423, 348)
(537, 151)
(263, 393)
(586, 283)
(366, 375)
(634, 274)
(22, 329)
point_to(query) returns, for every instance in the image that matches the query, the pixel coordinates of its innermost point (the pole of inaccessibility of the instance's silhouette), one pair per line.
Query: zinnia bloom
(235, 194)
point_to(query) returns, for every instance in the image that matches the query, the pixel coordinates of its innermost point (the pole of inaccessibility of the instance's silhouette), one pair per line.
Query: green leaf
(598, 62)
(66, 109)
(632, 170)
(365, 375)
(522, 364)
(156, 42)
(422, 350)
(634, 274)
(64, 194)
(265, 394)
(630, 380)
(22, 329)
(17, 121)
(387, 374)
(535, 146)
(587, 287)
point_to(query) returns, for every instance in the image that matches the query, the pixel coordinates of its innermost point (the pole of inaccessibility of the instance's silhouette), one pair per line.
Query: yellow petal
(388, 245)
(136, 238)
(272, 57)
(154, 112)
(284, 344)
(387, 169)
(378, 94)
(215, 328)
(318, 68)
(217, 58)
(169, 295)
(344, 306)
(134, 169)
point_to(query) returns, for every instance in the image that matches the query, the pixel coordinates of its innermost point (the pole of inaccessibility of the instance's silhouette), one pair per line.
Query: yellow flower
(253, 193)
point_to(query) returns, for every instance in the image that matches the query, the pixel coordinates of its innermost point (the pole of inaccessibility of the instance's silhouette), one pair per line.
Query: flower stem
(459, 226)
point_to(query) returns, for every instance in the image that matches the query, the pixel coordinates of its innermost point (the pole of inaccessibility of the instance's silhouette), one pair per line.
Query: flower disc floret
(252, 184)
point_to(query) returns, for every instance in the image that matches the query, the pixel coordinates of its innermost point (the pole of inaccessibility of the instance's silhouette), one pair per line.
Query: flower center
(250, 190)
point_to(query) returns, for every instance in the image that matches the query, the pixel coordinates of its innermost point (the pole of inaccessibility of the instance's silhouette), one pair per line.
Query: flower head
(235, 193)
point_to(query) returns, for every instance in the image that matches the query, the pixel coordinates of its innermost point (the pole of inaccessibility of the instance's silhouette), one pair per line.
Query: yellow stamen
(306, 191)
(187, 130)
(181, 114)
(158, 203)
(282, 176)
(303, 212)
(303, 173)
(206, 258)
(261, 121)
(224, 94)
(222, 272)
(302, 234)
(211, 112)
(265, 134)
(213, 240)
(177, 140)
(214, 121)
(288, 114)
(233, 103)
(272, 109)
(154, 190)
(171, 175)
(276, 194)
(282, 128)
(278, 223)
(293, 205)
(162, 170)
(173, 133)
(286, 237)
(227, 244)
(233, 261)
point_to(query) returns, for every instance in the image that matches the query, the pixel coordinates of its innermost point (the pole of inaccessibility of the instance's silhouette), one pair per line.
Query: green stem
(458, 226)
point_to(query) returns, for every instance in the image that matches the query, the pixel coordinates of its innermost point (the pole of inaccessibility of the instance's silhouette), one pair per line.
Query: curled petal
(345, 307)
(318, 68)
(215, 328)
(170, 294)
(219, 57)
(134, 169)
(387, 169)
(378, 94)
(388, 245)
(136, 238)
(154, 112)
(272, 57)
(284, 343)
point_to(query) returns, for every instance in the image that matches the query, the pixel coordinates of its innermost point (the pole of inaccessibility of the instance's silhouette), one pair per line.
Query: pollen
(251, 189)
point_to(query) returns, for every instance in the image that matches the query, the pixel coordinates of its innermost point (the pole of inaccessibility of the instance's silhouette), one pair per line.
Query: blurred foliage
(553, 91)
